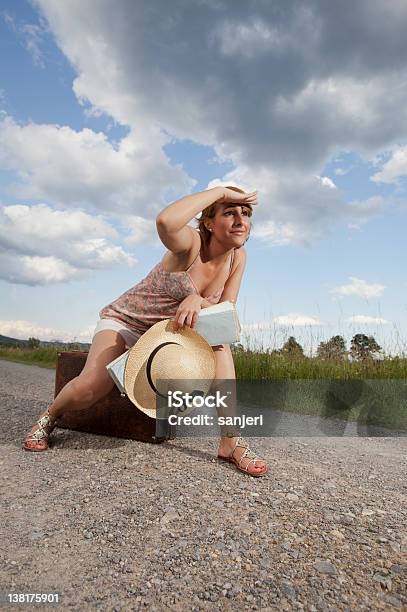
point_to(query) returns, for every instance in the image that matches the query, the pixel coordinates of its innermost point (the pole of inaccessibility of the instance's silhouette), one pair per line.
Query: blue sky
(108, 116)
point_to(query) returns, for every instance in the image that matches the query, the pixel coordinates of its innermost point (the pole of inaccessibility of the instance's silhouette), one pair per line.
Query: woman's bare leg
(94, 382)
(225, 369)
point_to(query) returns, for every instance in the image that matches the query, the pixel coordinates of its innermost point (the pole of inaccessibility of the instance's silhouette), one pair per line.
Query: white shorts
(129, 336)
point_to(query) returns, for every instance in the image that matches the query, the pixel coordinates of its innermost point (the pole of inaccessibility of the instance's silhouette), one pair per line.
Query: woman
(199, 269)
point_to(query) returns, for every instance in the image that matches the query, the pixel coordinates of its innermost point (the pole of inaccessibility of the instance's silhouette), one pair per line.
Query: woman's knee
(106, 346)
(91, 386)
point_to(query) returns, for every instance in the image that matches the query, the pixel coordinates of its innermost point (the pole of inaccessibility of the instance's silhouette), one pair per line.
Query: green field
(251, 365)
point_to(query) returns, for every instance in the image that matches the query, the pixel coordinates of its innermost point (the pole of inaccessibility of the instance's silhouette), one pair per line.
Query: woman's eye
(244, 212)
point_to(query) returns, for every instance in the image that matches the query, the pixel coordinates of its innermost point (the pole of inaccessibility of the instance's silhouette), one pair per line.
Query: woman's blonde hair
(209, 213)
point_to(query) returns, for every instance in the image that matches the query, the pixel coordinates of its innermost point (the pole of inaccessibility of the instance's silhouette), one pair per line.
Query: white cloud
(278, 234)
(289, 320)
(258, 326)
(82, 168)
(294, 319)
(359, 288)
(22, 330)
(343, 171)
(249, 40)
(35, 270)
(39, 245)
(327, 182)
(394, 168)
(41, 222)
(361, 211)
(367, 320)
(303, 91)
(33, 39)
(300, 99)
(293, 208)
(30, 35)
(142, 230)
(302, 94)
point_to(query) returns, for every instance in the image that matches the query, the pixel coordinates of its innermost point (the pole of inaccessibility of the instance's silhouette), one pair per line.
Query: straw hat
(162, 353)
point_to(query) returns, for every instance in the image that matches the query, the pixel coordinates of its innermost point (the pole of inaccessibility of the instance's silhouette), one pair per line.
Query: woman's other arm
(172, 221)
(232, 285)
(230, 293)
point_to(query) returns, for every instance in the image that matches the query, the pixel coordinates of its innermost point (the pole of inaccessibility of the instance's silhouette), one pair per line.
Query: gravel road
(114, 524)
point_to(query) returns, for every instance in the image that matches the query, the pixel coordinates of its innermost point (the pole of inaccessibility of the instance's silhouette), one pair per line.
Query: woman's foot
(237, 451)
(37, 438)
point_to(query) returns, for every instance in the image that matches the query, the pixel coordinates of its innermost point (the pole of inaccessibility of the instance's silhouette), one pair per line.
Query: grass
(256, 365)
(251, 365)
(44, 357)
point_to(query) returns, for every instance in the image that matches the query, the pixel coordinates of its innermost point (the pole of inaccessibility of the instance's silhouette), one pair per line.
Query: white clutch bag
(219, 324)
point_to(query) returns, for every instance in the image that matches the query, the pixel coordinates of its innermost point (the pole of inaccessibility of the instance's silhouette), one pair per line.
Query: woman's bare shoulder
(178, 262)
(239, 258)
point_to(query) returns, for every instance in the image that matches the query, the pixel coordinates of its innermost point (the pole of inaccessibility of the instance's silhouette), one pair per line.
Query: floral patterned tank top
(155, 298)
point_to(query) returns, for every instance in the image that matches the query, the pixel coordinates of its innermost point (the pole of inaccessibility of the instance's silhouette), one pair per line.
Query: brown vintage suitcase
(114, 415)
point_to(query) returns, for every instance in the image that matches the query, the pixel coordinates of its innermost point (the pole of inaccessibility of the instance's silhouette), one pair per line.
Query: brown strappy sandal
(240, 443)
(38, 440)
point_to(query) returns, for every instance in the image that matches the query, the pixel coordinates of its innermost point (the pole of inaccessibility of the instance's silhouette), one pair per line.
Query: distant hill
(5, 340)
(9, 341)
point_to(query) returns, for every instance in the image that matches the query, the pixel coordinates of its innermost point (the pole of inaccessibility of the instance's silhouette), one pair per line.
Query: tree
(292, 348)
(73, 346)
(334, 348)
(33, 342)
(363, 347)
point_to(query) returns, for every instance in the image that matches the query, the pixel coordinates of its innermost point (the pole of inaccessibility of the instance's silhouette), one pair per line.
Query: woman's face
(231, 224)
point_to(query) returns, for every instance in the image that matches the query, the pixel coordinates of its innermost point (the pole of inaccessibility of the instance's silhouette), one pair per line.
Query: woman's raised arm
(172, 221)
(175, 216)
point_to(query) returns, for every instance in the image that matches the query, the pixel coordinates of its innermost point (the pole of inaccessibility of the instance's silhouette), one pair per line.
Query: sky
(111, 111)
